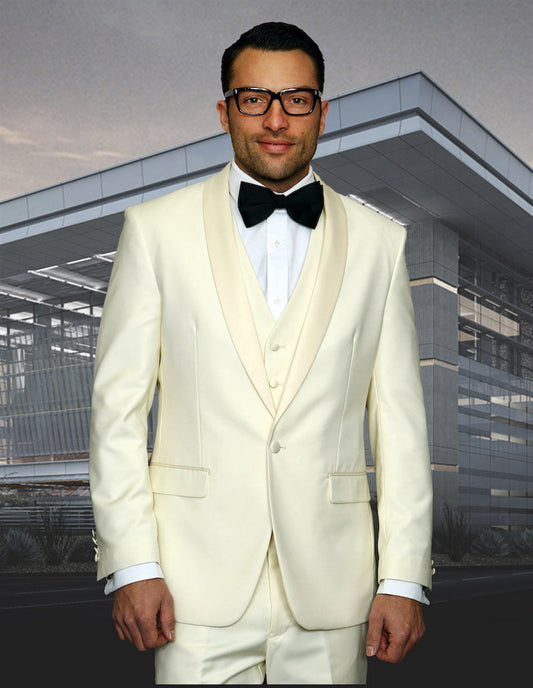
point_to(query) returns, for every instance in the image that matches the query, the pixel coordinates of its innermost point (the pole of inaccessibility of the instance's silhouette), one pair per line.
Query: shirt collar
(236, 176)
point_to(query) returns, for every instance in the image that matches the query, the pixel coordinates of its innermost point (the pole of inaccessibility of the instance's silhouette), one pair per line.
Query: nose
(275, 118)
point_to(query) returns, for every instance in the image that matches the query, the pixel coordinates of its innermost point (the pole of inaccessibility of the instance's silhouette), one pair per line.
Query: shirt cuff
(132, 574)
(415, 591)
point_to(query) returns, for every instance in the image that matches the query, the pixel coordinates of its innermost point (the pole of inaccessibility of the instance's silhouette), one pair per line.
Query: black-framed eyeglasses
(251, 100)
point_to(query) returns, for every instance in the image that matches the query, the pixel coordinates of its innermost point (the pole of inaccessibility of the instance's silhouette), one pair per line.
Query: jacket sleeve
(125, 375)
(398, 438)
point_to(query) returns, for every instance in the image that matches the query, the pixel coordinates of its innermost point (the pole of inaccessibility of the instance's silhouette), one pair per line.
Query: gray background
(87, 84)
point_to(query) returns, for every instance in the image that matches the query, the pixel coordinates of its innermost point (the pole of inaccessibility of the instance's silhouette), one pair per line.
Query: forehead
(273, 69)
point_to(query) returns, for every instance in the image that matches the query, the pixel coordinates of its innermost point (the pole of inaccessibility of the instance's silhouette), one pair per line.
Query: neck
(276, 185)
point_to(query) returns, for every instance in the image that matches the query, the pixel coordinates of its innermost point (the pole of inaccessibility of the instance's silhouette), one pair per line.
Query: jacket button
(275, 446)
(274, 383)
(274, 346)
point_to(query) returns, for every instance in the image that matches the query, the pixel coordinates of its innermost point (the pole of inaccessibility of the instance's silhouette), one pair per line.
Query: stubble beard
(278, 172)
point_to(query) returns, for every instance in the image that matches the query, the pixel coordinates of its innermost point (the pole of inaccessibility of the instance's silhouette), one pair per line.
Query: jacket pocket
(348, 487)
(182, 481)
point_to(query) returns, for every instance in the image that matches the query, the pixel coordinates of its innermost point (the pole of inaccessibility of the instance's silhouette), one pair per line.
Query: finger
(148, 629)
(131, 629)
(167, 620)
(121, 628)
(374, 636)
(126, 629)
(120, 632)
(398, 645)
(414, 638)
(131, 633)
(393, 653)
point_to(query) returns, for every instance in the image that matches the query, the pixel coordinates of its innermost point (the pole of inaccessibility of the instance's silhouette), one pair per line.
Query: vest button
(275, 446)
(274, 346)
(274, 383)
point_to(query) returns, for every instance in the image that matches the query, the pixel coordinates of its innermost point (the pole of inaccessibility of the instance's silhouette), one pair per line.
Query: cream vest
(278, 340)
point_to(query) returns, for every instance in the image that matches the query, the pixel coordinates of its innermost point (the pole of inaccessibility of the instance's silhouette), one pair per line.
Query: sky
(88, 84)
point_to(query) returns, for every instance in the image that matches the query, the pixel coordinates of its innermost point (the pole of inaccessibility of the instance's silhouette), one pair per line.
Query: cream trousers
(266, 640)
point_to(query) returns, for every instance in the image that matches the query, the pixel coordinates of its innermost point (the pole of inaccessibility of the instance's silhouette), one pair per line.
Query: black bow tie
(304, 206)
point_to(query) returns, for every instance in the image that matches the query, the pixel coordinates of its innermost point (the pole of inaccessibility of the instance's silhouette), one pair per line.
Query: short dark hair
(272, 36)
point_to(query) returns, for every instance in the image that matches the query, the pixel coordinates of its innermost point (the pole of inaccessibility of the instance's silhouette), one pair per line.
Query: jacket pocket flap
(182, 481)
(348, 487)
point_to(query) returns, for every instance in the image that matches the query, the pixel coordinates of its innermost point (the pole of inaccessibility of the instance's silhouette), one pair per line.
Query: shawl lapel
(324, 297)
(226, 269)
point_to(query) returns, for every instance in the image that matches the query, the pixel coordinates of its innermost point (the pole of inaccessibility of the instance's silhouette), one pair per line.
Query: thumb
(373, 636)
(167, 619)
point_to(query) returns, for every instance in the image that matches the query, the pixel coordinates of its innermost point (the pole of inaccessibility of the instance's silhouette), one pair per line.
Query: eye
(298, 102)
(252, 100)
(253, 97)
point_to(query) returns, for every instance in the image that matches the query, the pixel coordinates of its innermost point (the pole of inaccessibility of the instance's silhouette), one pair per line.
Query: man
(246, 545)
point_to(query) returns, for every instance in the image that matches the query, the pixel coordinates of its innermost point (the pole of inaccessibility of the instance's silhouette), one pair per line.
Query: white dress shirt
(276, 248)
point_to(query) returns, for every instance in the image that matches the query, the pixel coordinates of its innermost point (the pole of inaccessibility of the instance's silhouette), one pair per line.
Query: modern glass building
(404, 147)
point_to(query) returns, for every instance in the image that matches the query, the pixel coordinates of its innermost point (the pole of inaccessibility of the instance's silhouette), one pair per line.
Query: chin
(280, 172)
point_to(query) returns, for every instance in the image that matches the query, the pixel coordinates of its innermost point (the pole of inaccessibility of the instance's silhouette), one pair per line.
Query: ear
(323, 112)
(222, 108)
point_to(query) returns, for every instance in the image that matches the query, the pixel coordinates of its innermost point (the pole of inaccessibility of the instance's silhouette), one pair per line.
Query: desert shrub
(522, 542)
(453, 535)
(8, 499)
(53, 539)
(18, 546)
(82, 550)
(492, 543)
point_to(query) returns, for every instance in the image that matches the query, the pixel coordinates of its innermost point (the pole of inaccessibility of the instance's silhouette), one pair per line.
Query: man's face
(274, 148)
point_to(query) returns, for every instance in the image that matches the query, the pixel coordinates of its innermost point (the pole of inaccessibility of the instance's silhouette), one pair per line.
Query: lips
(275, 145)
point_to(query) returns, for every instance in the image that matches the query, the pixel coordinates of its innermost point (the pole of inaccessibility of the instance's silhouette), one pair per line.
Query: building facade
(405, 148)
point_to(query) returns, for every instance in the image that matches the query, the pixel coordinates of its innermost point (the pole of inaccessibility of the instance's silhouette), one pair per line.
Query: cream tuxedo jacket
(229, 467)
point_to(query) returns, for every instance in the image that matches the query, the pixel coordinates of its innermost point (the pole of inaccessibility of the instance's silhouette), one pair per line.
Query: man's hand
(143, 613)
(395, 626)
